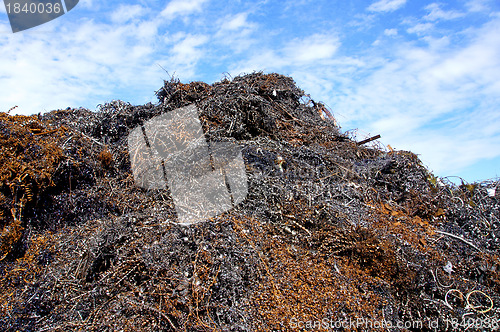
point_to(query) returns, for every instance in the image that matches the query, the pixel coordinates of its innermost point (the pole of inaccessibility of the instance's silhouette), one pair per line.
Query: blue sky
(423, 74)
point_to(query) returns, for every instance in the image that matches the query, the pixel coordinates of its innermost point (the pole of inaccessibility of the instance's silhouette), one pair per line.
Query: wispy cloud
(89, 61)
(235, 22)
(477, 5)
(311, 49)
(182, 8)
(386, 5)
(186, 51)
(124, 13)
(86, 3)
(420, 28)
(236, 32)
(390, 32)
(305, 52)
(419, 99)
(77, 64)
(436, 13)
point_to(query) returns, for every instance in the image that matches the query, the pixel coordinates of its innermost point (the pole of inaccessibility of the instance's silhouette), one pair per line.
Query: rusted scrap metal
(368, 140)
(118, 257)
(322, 110)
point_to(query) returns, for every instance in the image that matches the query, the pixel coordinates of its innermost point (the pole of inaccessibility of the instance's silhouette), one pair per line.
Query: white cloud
(3, 10)
(434, 43)
(390, 32)
(182, 8)
(363, 22)
(147, 30)
(89, 62)
(84, 62)
(265, 59)
(477, 6)
(386, 5)
(440, 100)
(449, 153)
(185, 50)
(420, 28)
(4, 29)
(89, 4)
(236, 22)
(311, 49)
(235, 32)
(124, 13)
(436, 13)
(478, 63)
(188, 49)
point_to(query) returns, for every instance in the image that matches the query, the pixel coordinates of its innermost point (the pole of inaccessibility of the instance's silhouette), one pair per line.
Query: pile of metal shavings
(331, 231)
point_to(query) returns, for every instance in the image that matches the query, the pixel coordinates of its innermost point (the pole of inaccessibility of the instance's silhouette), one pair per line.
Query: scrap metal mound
(332, 234)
